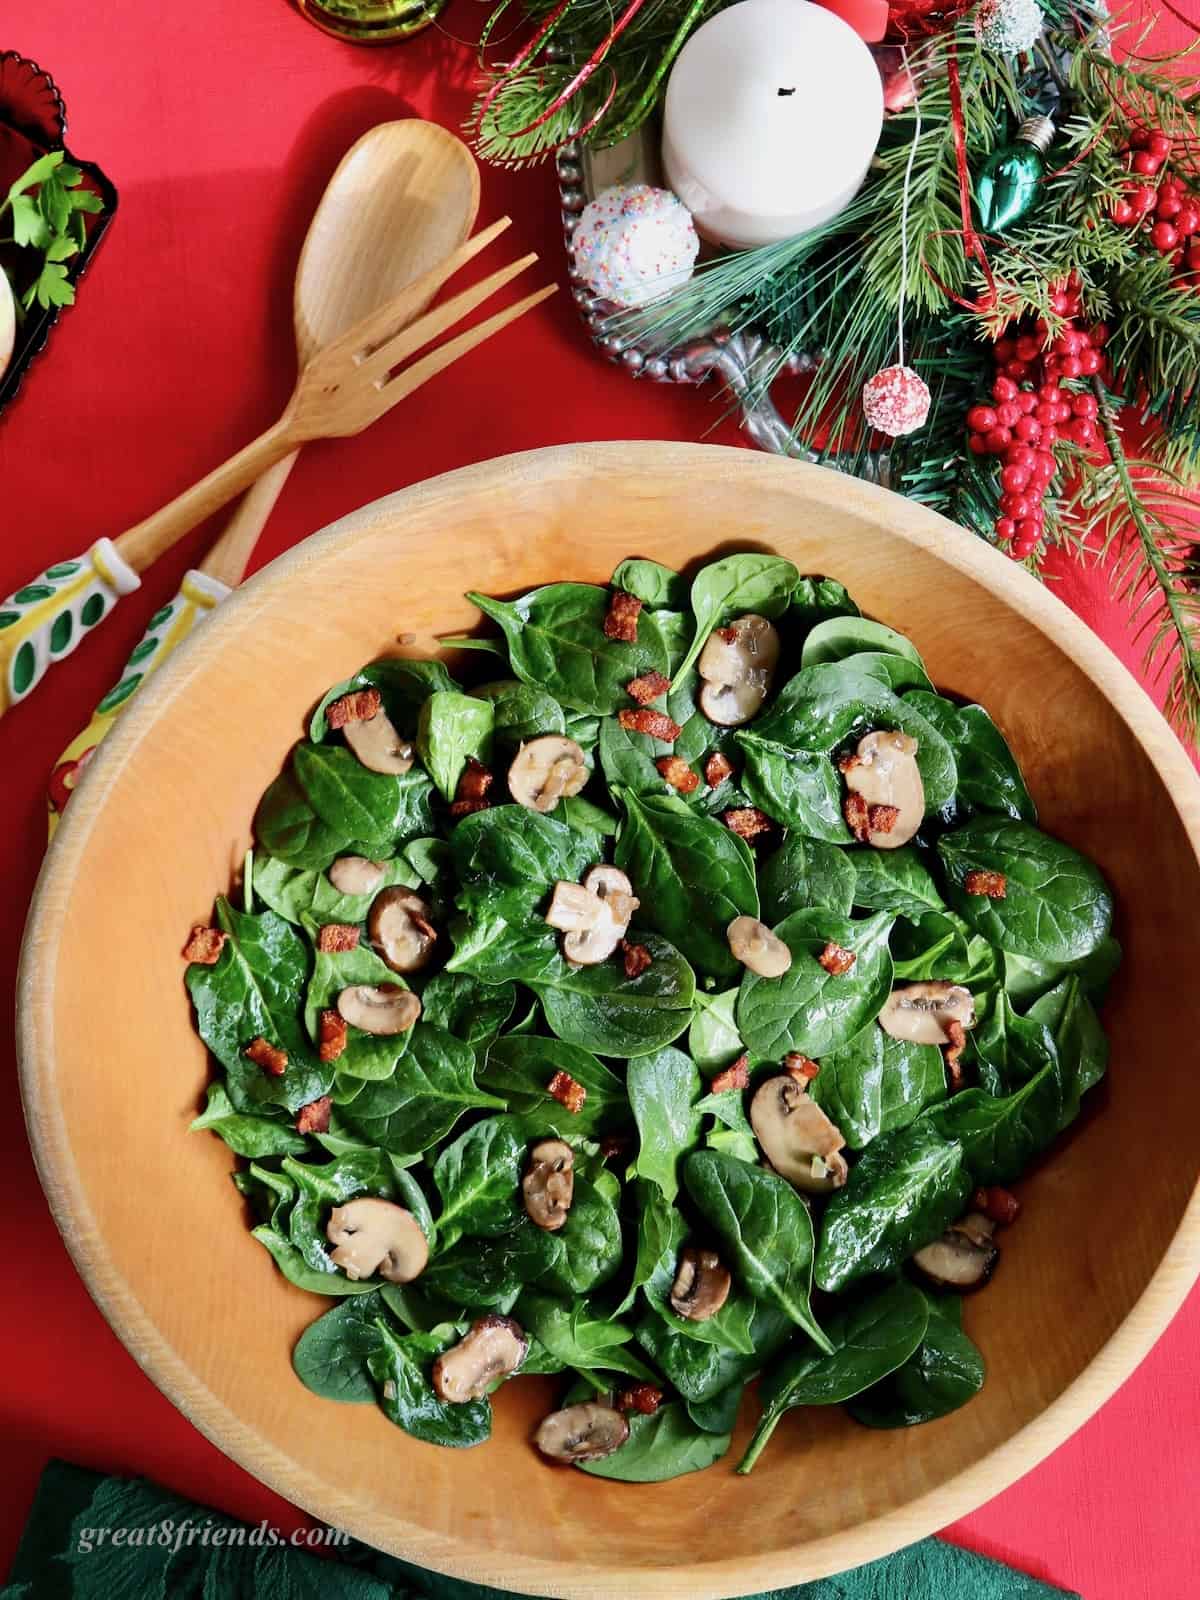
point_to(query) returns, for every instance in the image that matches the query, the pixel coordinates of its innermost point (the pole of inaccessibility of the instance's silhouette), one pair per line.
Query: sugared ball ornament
(1009, 27)
(896, 401)
(633, 244)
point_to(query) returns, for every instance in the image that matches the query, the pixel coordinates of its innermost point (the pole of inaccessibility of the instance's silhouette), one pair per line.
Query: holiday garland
(1051, 301)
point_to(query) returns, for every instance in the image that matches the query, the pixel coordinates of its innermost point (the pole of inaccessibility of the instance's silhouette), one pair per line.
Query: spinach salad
(668, 1012)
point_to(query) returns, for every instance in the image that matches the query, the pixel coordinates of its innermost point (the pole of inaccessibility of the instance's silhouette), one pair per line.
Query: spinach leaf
(665, 1445)
(1027, 980)
(713, 1039)
(244, 1133)
(498, 951)
(903, 1192)
(627, 759)
(292, 1262)
(765, 1229)
(661, 1231)
(663, 1089)
(520, 712)
(1079, 1038)
(556, 642)
(254, 989)
(403, 685)
(1009, 1049)
(300, 892)
(401, 1366)
(478, 1177)
(943, 1374)
(330, 1357)
(933, 947)
(809, 1009)
(585, 817)
(989, 778)
(869, 1340)
(452, 728)
(896, 673)
(580, 1337)
(999, 1136)
(813, 600)
(731, 1130)
(586, 1250)
(839, 637)
(894, 880)
(734, 586)
(876, 1084)
(471, 1010)
(519, 1067)
(376, 809)
(730, 1329)
(824, 707)
(720, 1414)
(516, 848)
(700, 1371)
(356, 1172)
(366, 1055)
(914, 1077)
(692, 874)
(286, 826)
(600, 1008)
(433, 1085)
(1057, 906)
(798, 788)
(652, 583)
(804, 873)
(489, 1274)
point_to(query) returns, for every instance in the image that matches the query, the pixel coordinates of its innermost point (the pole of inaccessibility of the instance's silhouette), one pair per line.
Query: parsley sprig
(45, 209)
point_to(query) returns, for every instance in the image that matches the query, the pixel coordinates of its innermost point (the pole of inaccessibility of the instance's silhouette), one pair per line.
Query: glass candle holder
(371, 21)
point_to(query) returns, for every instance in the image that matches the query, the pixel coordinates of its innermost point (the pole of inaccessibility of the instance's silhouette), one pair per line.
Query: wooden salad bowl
(112, 1071)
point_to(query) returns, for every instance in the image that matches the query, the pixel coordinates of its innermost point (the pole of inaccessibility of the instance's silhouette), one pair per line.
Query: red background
(220, 124)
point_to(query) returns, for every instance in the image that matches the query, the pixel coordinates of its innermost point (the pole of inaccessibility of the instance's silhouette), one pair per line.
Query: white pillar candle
(773, 111)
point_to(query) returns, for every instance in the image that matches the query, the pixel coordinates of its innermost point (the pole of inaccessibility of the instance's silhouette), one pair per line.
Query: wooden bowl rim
(168, 1368)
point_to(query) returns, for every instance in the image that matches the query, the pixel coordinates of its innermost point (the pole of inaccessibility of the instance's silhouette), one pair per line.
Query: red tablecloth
(221, 123)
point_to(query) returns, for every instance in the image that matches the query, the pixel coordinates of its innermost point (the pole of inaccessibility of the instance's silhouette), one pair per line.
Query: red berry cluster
(1159, 202)
(1031, 412)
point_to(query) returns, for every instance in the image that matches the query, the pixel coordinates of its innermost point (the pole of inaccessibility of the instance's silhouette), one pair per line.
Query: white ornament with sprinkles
(633, 244)
(896, 401)
(1009, 27)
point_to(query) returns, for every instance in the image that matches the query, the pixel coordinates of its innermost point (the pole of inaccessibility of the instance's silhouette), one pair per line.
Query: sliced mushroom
(494, 1348)
(546, 770)
(586, 1432)
(753, 944)
(378, 746)
(401, 930)
(381, 1009)
(377, 1236)
(356, 875)
(737, 665)
(964, 1257)
(593, 915)
(919, 1012)
(701, 1286)
(548, 1186)
(796, 1136)
(884, 772)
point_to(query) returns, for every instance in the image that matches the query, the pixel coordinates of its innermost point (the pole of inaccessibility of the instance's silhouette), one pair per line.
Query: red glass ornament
(918, 19)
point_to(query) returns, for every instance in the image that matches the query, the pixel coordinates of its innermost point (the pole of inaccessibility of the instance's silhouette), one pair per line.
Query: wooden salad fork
(342, 389)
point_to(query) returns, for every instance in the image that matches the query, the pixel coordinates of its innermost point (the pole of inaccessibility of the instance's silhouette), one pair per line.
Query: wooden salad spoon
(403, 199)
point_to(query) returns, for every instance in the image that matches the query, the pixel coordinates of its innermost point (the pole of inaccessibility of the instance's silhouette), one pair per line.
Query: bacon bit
(314, 1117)
(735, 1076)
(848, 763)
(621, 619)
(882, 819)
(468, 808)
(643, 1397)
(648, 687)
(655, 723)
(637, 958)
(678, 774)
(716, 769)
(726, 635)
(336, 937)
(360, 706)
(615, 1144)
(332, 1035)
(992, 885)
(567, 1091)
(803, 1068)
(748, 822)
(952, 1052)
(858, 817)
(836, 959)
(1001, 1205)
(475, 782)
(269, 1057)
(204, 945)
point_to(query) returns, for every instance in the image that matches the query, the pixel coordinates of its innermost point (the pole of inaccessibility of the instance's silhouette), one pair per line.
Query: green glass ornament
(371, 21)
(1007, 186)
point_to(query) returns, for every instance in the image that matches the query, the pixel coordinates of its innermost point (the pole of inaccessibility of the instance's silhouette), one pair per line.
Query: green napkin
(171, 1549)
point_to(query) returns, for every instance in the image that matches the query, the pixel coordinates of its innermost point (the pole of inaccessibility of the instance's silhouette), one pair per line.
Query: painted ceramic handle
(198, 595)
(45, 620)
